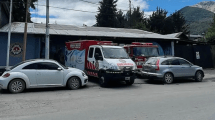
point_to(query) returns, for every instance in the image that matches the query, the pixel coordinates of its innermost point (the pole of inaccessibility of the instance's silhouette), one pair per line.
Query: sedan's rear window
(152, 61)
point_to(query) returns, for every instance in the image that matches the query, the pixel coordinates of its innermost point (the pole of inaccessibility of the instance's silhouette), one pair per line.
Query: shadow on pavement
(93, 82)
(176, 81)
(115, 85)
(37, 90)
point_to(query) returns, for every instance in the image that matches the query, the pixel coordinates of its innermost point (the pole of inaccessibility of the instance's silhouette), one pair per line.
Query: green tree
(210, 35)
(107, 14)
(120, 19)
(137, 16)
(175, 23)
(141, 26)
(179, 23)
(19, 9)
(136, 19)
(157, 20)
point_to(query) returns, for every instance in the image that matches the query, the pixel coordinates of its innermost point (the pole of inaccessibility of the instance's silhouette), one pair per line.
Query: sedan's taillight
(157, 65)
(6, 75)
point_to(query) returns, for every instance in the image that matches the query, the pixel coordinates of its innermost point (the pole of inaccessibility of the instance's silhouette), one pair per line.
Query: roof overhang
(70, 30)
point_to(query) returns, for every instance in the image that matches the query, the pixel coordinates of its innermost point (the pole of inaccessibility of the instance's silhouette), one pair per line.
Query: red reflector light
(6, 75)
(157, 65)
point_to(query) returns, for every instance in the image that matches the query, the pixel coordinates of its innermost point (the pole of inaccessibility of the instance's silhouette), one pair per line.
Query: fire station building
(169, 45)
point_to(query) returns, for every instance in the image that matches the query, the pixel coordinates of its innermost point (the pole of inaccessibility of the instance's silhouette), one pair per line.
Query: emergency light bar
(107, 43)
(138, 43)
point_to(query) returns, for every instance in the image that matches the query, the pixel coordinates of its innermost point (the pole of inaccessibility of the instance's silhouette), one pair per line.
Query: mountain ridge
(198, 19)
(207, 5)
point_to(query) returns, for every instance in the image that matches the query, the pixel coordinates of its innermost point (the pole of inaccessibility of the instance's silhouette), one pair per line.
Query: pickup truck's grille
(126, 68)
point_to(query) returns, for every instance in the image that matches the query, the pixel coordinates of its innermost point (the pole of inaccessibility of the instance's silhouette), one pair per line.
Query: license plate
(127, 78)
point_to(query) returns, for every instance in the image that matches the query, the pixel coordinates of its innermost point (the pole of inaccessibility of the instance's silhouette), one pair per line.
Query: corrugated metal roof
(36, 28)
(174, 35)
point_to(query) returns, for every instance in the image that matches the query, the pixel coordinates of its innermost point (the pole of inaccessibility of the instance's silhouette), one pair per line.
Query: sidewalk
(209, 74)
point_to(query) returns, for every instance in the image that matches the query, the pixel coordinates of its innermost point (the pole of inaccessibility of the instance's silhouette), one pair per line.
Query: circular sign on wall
(16, 49)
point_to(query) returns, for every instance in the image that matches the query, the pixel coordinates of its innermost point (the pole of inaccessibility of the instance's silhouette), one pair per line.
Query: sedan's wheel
(16, 86)
(198, 76)
(74, 83)
(168, 78)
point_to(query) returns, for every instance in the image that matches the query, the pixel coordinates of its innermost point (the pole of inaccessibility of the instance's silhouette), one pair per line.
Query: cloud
(148, 13)
(70, 17)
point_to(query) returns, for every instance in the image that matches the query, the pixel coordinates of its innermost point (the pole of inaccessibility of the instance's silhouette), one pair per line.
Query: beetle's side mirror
(59, 69)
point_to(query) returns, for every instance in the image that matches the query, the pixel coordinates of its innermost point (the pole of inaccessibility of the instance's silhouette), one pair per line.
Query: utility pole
(130, 11)
(9, 35)
(25, 32)
(47, 30)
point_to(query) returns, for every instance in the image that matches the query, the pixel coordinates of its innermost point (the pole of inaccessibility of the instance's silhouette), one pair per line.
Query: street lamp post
(9, 36)
(47, 30)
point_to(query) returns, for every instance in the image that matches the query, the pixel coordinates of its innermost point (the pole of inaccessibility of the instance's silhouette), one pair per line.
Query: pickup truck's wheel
(198, 76)
(151, 79)
(130, 82)
(103, 81)
(74, 83)
(168, 78)
(16, 86)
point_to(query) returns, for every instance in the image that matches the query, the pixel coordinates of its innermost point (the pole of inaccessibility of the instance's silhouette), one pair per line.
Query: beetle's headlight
(84, 74)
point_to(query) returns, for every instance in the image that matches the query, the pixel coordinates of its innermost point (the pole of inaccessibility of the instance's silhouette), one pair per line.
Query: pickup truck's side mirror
(97, 57)
(133, 57)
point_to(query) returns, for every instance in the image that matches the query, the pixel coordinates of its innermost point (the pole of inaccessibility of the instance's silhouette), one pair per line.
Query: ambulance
(140, 52)
(101, 59)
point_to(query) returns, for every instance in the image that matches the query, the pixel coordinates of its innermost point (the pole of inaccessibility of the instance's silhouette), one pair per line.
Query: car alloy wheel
(74, 83)
(16, 86)
(168, 78)
(198, 76)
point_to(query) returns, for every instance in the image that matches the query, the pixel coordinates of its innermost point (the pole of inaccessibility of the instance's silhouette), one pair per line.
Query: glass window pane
(31, 66)
(152, 61)
(97, 50)
(47, 66)
(145, 51)
(165, 62)
(91, 52)
(183, 62)
(175, 62)
(115, 53)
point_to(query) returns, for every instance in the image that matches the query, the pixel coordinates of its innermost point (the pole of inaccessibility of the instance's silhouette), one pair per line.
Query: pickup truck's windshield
(115, 53)
(145, 51)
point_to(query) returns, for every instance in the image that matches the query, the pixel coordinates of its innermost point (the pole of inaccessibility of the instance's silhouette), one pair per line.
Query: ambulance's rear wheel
(103, 81)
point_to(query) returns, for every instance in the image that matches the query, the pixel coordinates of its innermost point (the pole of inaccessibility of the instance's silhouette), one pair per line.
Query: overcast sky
(66, 16)
(71, 15)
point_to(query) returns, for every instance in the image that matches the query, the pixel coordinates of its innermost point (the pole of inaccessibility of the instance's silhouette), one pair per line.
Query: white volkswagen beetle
(40, 73)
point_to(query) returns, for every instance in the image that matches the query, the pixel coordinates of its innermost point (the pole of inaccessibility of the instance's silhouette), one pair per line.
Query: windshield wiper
(111, 57)
(123, 58)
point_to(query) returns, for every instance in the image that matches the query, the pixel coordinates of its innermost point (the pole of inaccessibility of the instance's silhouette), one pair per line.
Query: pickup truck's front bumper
(120, 75)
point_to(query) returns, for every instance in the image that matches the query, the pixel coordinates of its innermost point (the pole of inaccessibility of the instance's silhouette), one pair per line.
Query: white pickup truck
(101, 59)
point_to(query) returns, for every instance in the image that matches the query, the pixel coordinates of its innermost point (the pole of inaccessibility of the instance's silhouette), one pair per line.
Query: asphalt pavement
(144, 100)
